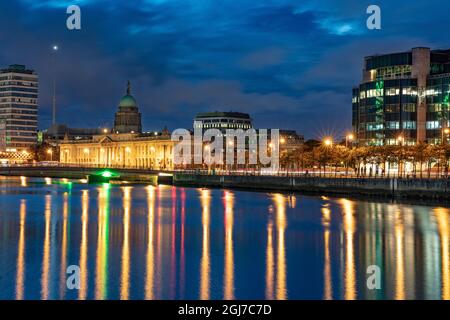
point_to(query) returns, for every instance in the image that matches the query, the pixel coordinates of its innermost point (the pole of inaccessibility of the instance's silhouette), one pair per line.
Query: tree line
(422, 160)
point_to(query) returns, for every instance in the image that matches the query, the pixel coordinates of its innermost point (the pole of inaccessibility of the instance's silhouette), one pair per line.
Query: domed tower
(127, 118)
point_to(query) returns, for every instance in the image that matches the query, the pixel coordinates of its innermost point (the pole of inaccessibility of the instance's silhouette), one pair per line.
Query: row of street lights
(328, 141)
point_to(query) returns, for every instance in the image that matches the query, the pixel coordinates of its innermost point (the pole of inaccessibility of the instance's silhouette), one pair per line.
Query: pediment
(106, 139)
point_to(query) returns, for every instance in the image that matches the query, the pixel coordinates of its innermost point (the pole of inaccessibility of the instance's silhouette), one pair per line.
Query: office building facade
(18, 109)
(403, 98)
(223, 121)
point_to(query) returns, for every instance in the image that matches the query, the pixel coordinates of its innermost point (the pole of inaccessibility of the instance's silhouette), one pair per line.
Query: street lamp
(400, 139)
(328, 142)
(348, 138)
(50, 152)
(445, 131)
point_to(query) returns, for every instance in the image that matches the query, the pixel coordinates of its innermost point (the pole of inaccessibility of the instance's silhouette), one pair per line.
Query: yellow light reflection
(328, 291)
(349, 231)
(443, 221)
(281, 223)
(48, 181)
(101, 276)
(23, 181)
(62, 272)
(149, 281)
(205, 264)
(84, 244)
(46, 253)
(269, 262)
(20, 276)
(229, 255)
(125, 273)
(400, 265)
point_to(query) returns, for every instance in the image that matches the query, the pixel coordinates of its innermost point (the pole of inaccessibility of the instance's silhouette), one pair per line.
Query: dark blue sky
(290, 64)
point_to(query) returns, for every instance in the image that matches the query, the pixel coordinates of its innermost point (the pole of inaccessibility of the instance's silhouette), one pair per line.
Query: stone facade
(121, 150)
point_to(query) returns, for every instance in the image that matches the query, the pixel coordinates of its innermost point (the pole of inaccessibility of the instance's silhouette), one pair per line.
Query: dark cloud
(289, 63)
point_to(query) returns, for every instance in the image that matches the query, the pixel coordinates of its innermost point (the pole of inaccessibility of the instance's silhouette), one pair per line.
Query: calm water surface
(145, 242)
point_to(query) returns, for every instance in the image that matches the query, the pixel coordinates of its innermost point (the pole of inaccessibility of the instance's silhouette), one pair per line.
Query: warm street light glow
(271, 145)
(206, 147)
(282, 140)
(231, 143)
(350, 137)
(49, 151)
(127, 149)
(446, 130)
(400, 138)
(86, 150)
(328, 142)
(105, 130)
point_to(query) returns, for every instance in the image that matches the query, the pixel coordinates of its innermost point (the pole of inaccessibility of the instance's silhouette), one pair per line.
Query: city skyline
(289, 65)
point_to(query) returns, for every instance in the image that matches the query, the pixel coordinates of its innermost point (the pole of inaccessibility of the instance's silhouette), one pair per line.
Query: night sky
(290, 64)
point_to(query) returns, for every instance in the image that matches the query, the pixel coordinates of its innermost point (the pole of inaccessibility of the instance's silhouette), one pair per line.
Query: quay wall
(385, 187)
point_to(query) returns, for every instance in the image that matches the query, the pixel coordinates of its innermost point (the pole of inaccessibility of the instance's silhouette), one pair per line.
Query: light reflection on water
(146, 242)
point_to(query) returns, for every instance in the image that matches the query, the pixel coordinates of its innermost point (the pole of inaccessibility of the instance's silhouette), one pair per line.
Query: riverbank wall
(384, 187)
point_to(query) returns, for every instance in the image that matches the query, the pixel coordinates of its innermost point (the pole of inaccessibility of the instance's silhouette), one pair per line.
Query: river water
(163, 242)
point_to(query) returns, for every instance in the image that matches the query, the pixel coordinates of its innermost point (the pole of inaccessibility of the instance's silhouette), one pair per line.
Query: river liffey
(163, 242)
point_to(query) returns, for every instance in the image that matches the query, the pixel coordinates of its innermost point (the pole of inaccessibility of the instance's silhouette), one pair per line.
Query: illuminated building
(127, 118)
(127, 146)
(18, 109)
(223, 121)
(403, 94)
(139, 150)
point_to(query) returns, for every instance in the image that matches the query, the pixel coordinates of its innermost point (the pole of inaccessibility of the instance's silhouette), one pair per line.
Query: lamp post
(348, 138)
(444, 135)
(50, 152)
(328, 143)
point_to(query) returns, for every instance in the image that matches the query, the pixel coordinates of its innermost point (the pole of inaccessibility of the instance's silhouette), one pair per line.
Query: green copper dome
(128, 100)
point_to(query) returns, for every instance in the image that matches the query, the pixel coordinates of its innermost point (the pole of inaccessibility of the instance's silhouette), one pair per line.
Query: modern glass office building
(403, 98)
(223, 121)
(18, 109)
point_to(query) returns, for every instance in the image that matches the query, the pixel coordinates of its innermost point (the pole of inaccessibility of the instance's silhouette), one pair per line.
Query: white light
(55, 48)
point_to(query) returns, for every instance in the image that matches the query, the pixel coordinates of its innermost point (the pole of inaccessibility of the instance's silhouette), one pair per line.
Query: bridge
(76, 172)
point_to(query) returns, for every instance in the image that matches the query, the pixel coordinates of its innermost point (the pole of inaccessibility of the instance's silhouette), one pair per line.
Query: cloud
(286, 62)
(263, 58)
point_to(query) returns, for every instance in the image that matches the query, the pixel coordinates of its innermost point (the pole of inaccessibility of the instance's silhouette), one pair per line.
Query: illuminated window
(409, 125)
(409, 107)
(433, 125)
